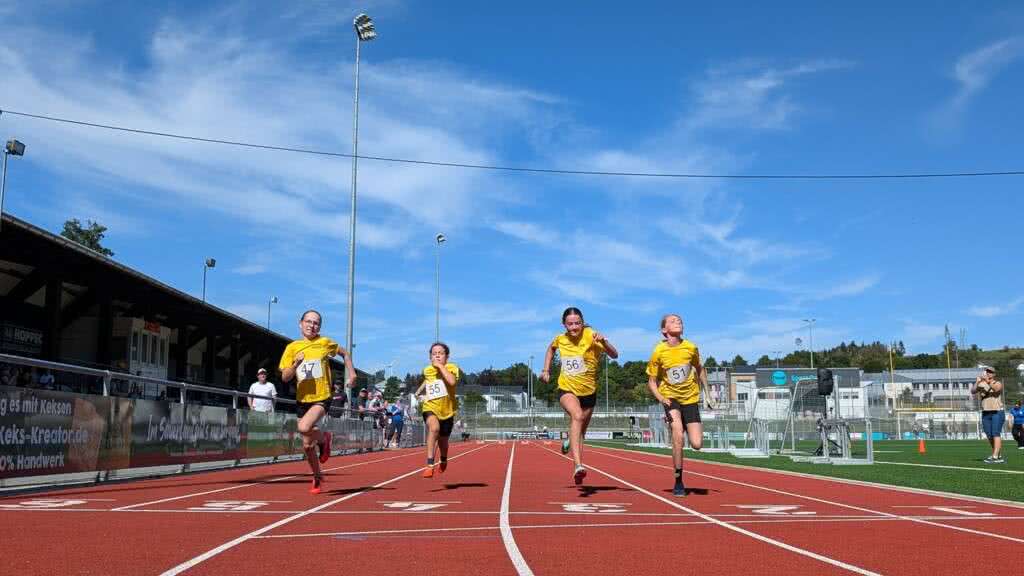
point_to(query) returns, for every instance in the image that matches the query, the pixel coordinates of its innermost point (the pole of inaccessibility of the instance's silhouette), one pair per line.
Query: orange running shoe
(428, 472)
(318, 481)
(325, 448)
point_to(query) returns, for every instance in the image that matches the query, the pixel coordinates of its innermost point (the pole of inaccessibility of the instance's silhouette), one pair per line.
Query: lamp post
(529, 388)
(273, 300)
(210, 263)
(810, 328)
(778, 353)
(365, 32)
(437, 289)
(12, 148)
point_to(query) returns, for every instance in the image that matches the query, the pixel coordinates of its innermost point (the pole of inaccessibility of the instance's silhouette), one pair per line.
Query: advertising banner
(166, 433)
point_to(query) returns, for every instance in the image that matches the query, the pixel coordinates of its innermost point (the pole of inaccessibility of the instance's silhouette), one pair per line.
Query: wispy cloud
(973, 72)
(995, 310)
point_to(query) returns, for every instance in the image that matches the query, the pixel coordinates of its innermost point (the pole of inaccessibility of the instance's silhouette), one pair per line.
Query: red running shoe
(428, 472)
(318, 481)
(325, 448)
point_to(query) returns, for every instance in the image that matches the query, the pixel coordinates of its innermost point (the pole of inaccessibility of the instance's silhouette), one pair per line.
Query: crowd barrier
(54, 436)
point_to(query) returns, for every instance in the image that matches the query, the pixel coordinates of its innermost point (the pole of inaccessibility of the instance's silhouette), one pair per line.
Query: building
(63, 302)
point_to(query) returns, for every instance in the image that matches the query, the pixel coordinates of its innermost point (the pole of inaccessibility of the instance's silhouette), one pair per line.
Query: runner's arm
(544, 374)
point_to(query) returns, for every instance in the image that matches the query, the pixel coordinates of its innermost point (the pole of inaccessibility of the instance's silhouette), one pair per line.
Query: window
(917, 385)
(135, 346)
(741, 396)
(163, 350)
(945, 385)
(153, 350)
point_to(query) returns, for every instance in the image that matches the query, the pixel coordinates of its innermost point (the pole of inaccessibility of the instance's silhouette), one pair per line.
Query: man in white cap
(993, 415)
(262, 388)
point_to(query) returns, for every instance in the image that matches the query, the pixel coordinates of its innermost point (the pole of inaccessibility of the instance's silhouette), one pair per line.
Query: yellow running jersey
(578, 373)
(675, 368)
(442, 406)
(313, 376)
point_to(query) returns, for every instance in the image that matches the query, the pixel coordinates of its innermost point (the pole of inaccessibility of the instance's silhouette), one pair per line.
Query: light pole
(210, 263)
(437, 289)
(777, 353)
(12, 148)
(810, 328)
(273, 300)
(529, 388)
(364, 33)
(606, 389)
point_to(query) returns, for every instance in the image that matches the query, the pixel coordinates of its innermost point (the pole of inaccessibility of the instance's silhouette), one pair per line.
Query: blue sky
(791, 88)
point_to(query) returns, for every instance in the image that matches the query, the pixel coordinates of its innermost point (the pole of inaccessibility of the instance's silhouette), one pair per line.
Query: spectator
(993, 415)
(460, 426)
(46, 380)
(1018, 424)
(360, 404)
(8, 376)
(397, 414)
(262, 388)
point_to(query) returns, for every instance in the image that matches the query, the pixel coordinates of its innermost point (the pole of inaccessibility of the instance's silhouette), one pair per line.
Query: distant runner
(308, 361)
(676, 377)
(579, 350)
(438, 405)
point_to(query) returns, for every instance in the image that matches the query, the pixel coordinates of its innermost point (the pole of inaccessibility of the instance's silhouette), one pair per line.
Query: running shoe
(442, 467)
(579, 475)
(428, 472)
(990, 460)
(318, 482)
(999, 460)
(679, 490)
(325, 448)
(565, 447)
(1020, 447)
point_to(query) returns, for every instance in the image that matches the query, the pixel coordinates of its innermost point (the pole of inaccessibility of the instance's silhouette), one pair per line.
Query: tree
(711, 362)
(90, 236)
(392, 389)
(739, 361)
(473, 400)
(764, 361)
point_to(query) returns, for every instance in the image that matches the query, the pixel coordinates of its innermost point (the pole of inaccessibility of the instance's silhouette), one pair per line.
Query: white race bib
(678, 374)
(309, 370)
(435, 389)
(573, 365)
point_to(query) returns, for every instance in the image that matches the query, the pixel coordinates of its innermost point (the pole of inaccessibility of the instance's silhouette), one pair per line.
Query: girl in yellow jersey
(579, 349)
(437, 394)
(308, 361)
(675, 377)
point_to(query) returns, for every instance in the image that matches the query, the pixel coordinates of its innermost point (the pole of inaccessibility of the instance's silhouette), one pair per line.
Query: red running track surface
(503, 508)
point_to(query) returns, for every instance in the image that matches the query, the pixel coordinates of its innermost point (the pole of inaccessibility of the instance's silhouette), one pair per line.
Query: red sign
(152, 327)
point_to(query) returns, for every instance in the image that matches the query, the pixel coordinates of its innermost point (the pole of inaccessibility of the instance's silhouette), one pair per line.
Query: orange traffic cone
(920, 446)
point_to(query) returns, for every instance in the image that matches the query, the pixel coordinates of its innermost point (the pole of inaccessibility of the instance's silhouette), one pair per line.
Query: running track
(503, 508)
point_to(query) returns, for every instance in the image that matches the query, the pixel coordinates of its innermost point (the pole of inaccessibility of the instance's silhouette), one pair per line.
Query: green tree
(764, 361)
(91, 236)
(711, 362)
(473, 401)
(739, 361)
(392, 388)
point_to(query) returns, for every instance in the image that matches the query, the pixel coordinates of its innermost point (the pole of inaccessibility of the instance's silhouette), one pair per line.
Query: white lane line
(879, 485)
(728, 526)
(830, 502)
(972, 468)
(231, 544)
(375, 532)
(195, 494)
(506, 530)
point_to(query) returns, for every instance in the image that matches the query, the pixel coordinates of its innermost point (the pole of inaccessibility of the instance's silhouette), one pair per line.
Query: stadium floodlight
(12, 148)
(437, 289)
(365, 31)
(810, 328)
(209, 263)
(273, 300)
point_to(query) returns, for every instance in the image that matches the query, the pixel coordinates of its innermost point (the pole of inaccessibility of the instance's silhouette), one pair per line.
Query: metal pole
(3, 188)
(810, 325)
(268, 314)
(606, 385)
(437, 295)
(204, 282)
(352, 216)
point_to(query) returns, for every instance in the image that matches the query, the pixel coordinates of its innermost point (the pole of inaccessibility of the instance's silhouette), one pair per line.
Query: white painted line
(506, 531)
(728, 526)
(891, 487)
(194, 494)
(375, 532)
(972, 468)
(231, 544)
(833, 503)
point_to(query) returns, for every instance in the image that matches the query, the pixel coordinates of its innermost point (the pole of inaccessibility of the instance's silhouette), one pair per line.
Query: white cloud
(992, 311)
(974, 70)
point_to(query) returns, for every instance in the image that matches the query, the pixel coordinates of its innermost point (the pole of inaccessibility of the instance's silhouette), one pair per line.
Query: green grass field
(967, 474)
